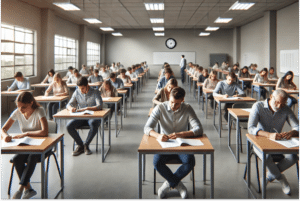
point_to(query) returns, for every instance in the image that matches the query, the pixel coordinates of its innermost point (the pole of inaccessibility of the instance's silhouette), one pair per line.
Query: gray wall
(139, 45)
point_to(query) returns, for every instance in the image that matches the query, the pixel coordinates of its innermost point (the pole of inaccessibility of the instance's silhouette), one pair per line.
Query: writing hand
(226, 96)
(73, 109)
(235, 96)
(163, 138)
(172, 136)
(275, 136)
(7, 138)
(286, 135)
(8, 89)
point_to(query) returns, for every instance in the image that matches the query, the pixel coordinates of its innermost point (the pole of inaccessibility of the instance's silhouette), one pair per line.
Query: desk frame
(116, 116)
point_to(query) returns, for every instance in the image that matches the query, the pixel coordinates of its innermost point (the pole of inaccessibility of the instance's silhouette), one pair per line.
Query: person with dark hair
(164, 65)
(116, 82)
(164, 93)
(163, 81)
(243, 73)
(216, 66)
(104, 73)
(202, 78)
(261, 77)
(130, 73)
(59, 88)
(182, 68)
(228, 88)
(74, 78)
(211, 83)
(286, 83)
(253, 68)
(49, 77)
(20, 82)
(69, 73)
(267, 119)
(91, 70)
(198, 72)
(139, 69)
(114, 68)
(145, 64)
(95, 77)
(125, 78)
(272, 74)
(33, 123)
(234, 69)
(84, 70)
(84, 98)
(174, 116)
(108, 90)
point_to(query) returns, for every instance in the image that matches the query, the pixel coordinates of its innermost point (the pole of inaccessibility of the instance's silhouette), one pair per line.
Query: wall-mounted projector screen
(172, 58)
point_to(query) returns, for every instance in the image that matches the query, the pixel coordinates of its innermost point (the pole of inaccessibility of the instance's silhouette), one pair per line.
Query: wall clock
(171, 43)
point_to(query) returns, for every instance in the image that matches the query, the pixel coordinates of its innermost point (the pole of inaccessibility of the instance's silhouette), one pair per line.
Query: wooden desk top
(50, 98)
(199, 84)
(95, 84)
(135, 80)
(208, 91)
(266, 145)
(243, 99)
(65, 114)
(246, 79)
(49, 141)
(264, 85)
(112, 100)
(14, 92)
(150, 111)
(40, 85)
(238, 113)
(195, 79)
(290, 91)
(128, 85)
(150, 144)
(273, 79)
(122, 91)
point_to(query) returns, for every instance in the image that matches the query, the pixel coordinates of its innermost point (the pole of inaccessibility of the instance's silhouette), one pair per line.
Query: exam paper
(293, 142)
(247, 109)
(106, 98)
(25, 140)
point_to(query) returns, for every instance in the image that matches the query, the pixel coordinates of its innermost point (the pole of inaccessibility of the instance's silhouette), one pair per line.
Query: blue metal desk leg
(140, 175)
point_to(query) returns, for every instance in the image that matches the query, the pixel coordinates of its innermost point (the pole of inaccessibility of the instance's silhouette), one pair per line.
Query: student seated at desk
(245, 74)
(198, 71)
(286, 82)
(95, 77)
(125, 78)
(162, 73)
(272, 74)
(104, 73)
(261, 77)
(192, 69)
(216, 66)
(163, 81)
(223, 65)
(108, 69)
(108, 90)
(84, 70)
(84, 98)
(119, 65)
(174, 116)
(134, 71)
(253, 68)
(145, 64)
(33, 123)
(116, 82)
(234, 69)
(20, 82)
(211, 83)
(267, 119)
(49, 77)
(202, 78)
(228, 88)
(73, 79)
(114, 68)
(69, 73)
(59, 88)
(91, 70)
(164, 93)
(130, 73)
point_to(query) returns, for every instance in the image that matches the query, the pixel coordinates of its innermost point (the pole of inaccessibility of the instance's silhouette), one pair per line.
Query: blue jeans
(261, 90)
(291, 101)
(75, 124)
(188, 163)
(182, 74)
(52, 108)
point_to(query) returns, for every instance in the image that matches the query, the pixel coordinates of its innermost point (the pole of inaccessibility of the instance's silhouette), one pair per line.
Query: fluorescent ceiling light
(92, 20)
(157, 20)
(204, 34)
(212, 28)
(241, 6)
(158, 28)
(155, 6)
(223, 20)
(66, 6)
(159, 34)
(117, 34)
(106, 29)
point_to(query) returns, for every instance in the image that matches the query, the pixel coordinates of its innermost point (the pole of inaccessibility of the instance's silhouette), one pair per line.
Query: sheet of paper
(191, 142)
(168, 144)
(233, 98)
(247, 109)
(47, 97)
(293, 142)
(106, 98)
(82, 113)
(25, 140)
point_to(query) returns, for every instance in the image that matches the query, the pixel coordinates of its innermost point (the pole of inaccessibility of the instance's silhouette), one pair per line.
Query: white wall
(287, 32)
(136, 46)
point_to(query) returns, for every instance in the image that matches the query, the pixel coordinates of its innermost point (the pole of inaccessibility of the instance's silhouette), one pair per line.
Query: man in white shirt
(182, 66)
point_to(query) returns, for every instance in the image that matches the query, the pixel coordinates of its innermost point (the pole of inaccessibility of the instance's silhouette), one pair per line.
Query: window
(65, 53)
(93, 53)
(17, 51)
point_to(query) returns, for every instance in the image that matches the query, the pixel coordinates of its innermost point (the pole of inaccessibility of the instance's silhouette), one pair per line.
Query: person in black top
(202, 78)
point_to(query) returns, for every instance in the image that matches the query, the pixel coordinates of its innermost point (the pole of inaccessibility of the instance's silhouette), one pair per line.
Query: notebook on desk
(22, 141)
(180, 142)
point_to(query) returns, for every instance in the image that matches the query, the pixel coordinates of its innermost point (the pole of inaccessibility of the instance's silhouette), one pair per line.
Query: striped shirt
(262, 118)
(225, 88)
(171, 121)
(90, 99)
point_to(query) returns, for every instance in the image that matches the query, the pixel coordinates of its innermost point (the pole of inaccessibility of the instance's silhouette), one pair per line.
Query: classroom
(150, 99)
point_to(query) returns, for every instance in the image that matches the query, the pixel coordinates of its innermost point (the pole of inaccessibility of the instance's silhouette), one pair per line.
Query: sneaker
(17, 195)
(79, 150)
(87, 150)
(29, 194)
(285, 185)
(165, 188)
(182, 190)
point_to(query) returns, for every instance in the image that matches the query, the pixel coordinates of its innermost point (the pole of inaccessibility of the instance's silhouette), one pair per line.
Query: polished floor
(86, 177)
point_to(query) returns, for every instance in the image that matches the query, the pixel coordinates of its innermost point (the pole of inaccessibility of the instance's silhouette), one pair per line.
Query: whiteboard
(173, 57)
(289, 61)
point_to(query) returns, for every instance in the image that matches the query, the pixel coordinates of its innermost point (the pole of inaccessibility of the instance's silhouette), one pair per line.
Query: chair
(276, 158)
(243, 123)
(52, 128)
(173, 162)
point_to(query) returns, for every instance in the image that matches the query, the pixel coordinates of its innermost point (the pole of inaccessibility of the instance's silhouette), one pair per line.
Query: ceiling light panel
(222, 20)
(157, 20)
(241, 5)
(92, 20)
(155, 6)
(159, 34)
(158, 28)
(204, 34)
(117, 34)
(106, 29)
(212, 28)
(66, 6)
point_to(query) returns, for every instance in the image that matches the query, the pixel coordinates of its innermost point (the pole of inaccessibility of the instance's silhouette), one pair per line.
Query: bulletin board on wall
(173, 58)
(289, 61)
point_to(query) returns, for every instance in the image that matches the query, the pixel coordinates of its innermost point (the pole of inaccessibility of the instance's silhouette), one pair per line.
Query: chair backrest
(52, 127)
(242, 105)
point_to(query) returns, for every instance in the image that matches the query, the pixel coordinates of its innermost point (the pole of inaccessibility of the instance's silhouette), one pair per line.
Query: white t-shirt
(32, 123)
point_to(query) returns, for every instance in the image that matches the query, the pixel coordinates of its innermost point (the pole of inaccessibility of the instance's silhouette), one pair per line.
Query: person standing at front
(182, 66)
